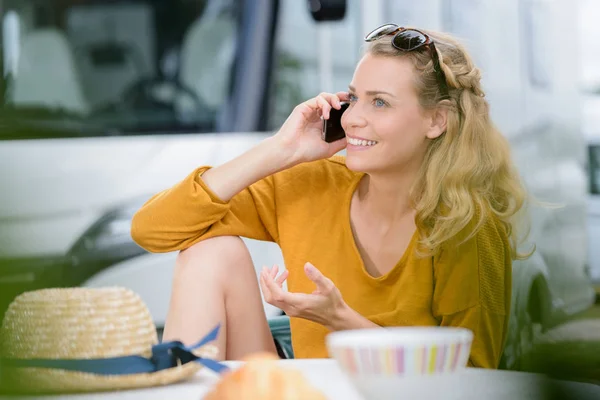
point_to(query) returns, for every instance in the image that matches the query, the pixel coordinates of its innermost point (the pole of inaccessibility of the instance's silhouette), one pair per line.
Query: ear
(439, 121)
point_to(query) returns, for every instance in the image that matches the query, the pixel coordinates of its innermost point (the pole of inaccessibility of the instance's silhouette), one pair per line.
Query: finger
(274, 271)
(336, 99)
(332, 99)
(338, 145)
(279, 296)
(343, 96)
(269, 274)
(315, 103)
(324, 285)
(281, 278)
(265, 290)
(264, 287)
(324, 105)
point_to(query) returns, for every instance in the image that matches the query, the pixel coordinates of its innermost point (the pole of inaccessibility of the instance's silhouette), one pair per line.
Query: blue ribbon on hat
(164, 356)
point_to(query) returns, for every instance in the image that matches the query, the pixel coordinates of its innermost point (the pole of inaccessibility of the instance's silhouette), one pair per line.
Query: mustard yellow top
(306, 210)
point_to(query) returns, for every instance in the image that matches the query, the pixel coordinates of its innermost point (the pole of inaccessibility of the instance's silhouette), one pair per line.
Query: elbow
(141, 231)
(138, 231)
(152, 236)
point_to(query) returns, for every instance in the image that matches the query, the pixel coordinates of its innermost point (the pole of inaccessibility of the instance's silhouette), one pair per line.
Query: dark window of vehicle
(93, 67)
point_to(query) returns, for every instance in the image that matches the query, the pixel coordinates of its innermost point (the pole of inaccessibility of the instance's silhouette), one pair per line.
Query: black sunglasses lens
(409, 40)
(381, 31)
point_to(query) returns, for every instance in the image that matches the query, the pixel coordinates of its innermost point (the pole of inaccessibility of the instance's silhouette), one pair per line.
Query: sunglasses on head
(410, 40)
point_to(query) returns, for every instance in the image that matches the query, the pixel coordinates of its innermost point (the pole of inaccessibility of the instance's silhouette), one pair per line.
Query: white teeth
(360, 142)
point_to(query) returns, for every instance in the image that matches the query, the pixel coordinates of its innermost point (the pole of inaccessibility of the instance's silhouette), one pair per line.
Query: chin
(361, 163)
(370, 163)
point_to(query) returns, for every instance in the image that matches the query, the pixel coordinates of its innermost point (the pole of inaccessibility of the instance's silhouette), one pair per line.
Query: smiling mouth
(361, 142)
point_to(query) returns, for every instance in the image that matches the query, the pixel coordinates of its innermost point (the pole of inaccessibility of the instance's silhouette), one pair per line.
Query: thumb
(337, 146)
(323, 283)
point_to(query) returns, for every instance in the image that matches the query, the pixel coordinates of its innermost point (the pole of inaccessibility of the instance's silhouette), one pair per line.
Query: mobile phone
(332, 127)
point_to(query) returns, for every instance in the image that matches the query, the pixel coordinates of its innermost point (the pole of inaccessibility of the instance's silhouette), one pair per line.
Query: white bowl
(384, 362)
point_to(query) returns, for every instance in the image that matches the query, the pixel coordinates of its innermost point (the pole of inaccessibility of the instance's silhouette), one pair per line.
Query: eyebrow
(371, 92)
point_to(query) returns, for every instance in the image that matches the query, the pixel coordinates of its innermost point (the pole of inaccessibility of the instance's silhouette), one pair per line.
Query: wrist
(340, 320)
(345, 318)
(284, 151)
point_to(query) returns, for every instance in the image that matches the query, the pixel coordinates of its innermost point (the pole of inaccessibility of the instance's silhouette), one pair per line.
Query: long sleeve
(489, 329)
(473, 290)
(189, 212)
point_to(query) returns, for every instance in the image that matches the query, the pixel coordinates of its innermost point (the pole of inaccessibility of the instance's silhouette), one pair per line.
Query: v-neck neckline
(348, 225)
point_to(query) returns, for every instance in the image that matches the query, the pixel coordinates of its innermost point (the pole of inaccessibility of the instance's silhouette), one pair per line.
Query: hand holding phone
(305, 136)
(332, 127)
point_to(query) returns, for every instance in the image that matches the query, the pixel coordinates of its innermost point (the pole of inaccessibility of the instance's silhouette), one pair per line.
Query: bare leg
(215, 282)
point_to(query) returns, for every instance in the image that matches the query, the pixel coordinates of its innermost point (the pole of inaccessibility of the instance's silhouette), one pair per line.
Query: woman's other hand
(324, 306)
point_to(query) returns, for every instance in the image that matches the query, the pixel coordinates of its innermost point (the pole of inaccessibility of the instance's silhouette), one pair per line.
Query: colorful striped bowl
(386, 360)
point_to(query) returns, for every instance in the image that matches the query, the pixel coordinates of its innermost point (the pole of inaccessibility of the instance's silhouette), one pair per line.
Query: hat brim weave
(54, 381)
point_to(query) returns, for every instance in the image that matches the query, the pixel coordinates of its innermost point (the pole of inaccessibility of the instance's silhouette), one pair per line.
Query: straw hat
(85, 324)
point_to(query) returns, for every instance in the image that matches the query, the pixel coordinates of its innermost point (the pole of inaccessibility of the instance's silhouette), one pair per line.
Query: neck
(387, 196)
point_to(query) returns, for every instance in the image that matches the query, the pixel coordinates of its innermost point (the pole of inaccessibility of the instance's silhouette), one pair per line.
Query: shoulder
(328, 173)
(333, 166)
(480, 242)
(337, 160)
(477, 230)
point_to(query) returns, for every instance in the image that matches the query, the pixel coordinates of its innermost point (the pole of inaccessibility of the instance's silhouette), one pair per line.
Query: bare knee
(219, 254)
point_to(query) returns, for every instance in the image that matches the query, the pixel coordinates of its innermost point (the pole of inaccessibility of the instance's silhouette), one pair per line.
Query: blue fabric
(164, 356)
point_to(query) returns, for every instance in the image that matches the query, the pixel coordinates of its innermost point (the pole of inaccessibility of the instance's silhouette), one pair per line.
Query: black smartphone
(332, 127)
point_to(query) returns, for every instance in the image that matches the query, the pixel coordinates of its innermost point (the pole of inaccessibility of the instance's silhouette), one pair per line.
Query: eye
(379, 102)
(352, 97)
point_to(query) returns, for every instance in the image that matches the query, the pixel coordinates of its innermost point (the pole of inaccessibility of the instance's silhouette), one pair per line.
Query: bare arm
(347, 318)
(263, 160)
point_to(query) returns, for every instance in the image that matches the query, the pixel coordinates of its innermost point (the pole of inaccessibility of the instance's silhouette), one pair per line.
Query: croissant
(261, 377)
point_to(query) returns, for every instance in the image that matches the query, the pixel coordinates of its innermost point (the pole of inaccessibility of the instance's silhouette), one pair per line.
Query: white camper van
(107, 103)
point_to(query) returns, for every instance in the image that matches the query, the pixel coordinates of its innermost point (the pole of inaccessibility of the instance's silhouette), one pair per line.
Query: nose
(353, 118)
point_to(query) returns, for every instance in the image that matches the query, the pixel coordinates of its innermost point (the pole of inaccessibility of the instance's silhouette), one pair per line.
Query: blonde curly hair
(468, 175)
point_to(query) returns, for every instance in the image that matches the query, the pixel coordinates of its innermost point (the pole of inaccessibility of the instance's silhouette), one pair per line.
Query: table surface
(326, 375)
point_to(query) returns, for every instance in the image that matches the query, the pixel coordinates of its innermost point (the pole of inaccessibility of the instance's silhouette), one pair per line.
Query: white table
(476, 384)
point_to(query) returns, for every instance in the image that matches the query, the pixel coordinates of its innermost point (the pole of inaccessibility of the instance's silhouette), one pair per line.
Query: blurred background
(104, 103)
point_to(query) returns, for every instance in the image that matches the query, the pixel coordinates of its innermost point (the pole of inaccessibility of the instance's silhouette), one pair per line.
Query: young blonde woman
(413, 227)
